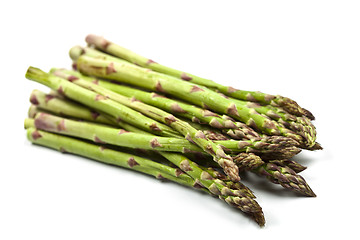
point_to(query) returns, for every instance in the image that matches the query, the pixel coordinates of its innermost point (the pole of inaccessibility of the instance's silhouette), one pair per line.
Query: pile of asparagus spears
(123, 109)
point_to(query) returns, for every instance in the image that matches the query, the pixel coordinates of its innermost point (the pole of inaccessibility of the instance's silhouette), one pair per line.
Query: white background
(306, 50)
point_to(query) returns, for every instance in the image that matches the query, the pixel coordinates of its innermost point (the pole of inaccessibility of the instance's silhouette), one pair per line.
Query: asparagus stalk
(99, 102)
(118, 51)
(109, 156)
(49, 102)
(286, 177)
(295, 166)
(120, 137)
(108, 135)
(52, 103)
(300, 125)
(133, 162)
(268, 146)
(236, 130)
(100, 134)
(190, 133)
(204, 97)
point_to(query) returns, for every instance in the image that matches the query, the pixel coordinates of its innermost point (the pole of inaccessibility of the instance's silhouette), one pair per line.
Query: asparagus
(217, 187)
(190, 133)
(273, 144)
(116, 50)
(108, 135)
(63, 107)
(109, 156)
(225, 179)
(99, 102)
(301, 126)
(268, 145)
(120, 137)
(49, 102)
(248, 161)
(286, 177)
(204, 97)
(133, 162)
(295, 166)
(236, 130)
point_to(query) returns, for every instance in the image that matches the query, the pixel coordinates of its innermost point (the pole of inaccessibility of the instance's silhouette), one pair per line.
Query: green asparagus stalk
(133, 162)
(49, 102)
(236, 130)
(300, 125)
(204, 97)
(286, 177)
(120, 137)
(272, 144)
(52, 103)
(269, 145)
(118, 51)
(109, 156)
(108, 135)
(191, 134)
(99, 102)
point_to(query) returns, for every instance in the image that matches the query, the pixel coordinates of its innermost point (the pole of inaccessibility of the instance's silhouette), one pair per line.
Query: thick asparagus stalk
(99, 102)
(204, 97)
(116, 50)
(190, 133)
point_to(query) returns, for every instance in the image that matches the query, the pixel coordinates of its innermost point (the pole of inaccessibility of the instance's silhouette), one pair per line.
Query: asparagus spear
(116, 50)
(99, 102)
(295, 166)
(236, 130)
(109, 156)
(204, 97)
(133, 162)
(286, 177)
(60, 106)
(100, 134)
(49, 102)
(300, 125)
(268, 145)
(190, 133)
(108, 135)
(272, 144)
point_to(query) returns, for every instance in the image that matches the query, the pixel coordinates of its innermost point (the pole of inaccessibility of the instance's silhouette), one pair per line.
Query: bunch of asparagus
(120, 108)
